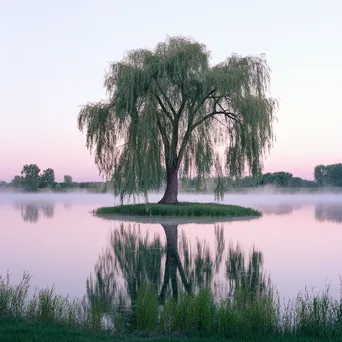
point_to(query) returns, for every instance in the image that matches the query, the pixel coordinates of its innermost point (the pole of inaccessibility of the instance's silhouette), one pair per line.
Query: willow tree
(169, 112)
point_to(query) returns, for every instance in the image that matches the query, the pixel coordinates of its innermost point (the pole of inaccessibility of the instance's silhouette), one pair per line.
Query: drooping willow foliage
(169, 108)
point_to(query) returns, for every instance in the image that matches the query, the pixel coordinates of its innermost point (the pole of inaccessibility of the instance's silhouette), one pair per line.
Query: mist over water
(57, 239)
(267, 195)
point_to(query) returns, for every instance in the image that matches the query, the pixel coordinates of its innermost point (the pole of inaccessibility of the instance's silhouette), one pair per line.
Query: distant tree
(267, 178)
(330, 175)
(67, 181)
(297, 182)
(17, 182)
(48, 178)
(282, 179)
(3, 184)
(168, 111)
(246, 182)
(188, 183)
(334, 175)
(320, 174)
(30, 177)
(309, 183)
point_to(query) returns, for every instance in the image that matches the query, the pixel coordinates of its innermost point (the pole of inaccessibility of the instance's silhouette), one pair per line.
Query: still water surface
(56, 238)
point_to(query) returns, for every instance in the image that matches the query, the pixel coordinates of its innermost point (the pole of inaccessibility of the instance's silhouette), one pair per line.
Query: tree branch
(220, 122)
(191, 126)
(164, 108)
(187, 134)
(167, 100)
(208, 116)
(182, 106)
(218, 103)
(204, 99)
(164, 138)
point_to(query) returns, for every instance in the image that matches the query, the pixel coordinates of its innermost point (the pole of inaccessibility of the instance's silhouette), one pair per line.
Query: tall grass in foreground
(43, 306)
(242, 315)
(245, 315)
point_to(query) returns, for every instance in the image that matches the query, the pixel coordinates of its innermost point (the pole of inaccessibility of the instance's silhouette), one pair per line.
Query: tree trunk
(171, 192)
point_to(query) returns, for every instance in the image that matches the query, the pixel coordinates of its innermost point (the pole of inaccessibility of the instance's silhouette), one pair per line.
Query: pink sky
(53, 61)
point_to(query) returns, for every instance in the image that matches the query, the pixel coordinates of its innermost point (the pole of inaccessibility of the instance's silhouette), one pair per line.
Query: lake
(57, 239)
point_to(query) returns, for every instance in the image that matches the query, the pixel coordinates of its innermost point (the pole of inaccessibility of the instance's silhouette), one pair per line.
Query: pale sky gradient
(54, 54)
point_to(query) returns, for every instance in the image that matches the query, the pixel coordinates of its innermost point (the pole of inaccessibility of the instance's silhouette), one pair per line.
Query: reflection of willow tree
(329, 212)
(248, 276)
(30, 212)
(129, 262)
(133, 260)
(138, 260)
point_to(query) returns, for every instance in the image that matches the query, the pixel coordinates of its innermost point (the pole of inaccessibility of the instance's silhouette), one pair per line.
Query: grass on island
(181, 209)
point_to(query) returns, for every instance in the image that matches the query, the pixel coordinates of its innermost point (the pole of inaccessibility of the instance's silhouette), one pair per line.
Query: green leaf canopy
(169, 108)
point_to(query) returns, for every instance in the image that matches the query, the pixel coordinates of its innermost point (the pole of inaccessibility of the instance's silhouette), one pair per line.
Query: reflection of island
(133, 260)
(278, 208)
(31, 211)
(328, 212)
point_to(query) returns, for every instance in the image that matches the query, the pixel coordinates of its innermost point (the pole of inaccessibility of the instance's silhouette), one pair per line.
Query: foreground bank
(14, 330)
(246, 315)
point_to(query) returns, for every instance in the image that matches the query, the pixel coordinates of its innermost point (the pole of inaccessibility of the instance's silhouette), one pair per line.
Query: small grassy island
(181, 209)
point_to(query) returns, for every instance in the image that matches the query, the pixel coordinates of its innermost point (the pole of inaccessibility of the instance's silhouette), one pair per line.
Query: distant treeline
(32, 179)
(329, 175)
(278, 179)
